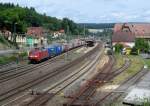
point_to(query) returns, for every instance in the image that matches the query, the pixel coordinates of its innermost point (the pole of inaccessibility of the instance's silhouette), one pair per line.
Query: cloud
(92, 10)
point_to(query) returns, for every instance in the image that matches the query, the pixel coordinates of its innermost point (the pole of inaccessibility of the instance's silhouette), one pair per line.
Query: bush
(118, 48)
(23, 54)
(134, 51)
(142, 45)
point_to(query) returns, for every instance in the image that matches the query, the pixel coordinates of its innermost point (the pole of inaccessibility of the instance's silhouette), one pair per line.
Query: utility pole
(78, 35)
(14, 33)
(84, 30)
(68, 34)
(14, 41)
(14, 30)
(67, 41)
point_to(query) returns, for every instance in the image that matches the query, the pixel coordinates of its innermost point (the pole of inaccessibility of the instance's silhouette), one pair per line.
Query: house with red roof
(126, 33)
(37, 34)
(35, 31)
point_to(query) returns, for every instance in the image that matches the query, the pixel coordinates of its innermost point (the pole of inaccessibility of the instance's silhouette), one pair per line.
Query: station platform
(139, 94)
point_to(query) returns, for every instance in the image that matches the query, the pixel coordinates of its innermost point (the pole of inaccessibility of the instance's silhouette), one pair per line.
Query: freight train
(39, 54)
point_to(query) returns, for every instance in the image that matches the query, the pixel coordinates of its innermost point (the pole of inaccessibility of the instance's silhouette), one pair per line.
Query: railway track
(28, 83)
(54, 90)
(118, 92)
(84, 96)
(6, 65)
(42, 78)
(89, 89)
(21, 70)
(6, 69)
(109, 77)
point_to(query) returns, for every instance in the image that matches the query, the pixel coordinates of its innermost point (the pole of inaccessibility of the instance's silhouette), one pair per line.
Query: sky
(91, 11)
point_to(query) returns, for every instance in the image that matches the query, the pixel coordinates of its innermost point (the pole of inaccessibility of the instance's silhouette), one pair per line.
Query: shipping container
(58, 49)
(54, 50)
(51, 51)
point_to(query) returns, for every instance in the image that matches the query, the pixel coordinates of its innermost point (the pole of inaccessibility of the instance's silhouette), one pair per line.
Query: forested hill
(22, 17)
(97, 26)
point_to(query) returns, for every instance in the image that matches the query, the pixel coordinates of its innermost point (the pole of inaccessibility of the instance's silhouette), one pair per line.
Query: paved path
(6, 52)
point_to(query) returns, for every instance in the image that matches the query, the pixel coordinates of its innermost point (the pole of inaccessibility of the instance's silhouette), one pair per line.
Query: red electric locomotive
(38, 54)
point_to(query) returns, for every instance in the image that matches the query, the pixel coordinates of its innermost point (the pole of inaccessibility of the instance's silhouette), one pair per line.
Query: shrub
(134, 51)
(118, 48)
(142, 45)
(23, 54)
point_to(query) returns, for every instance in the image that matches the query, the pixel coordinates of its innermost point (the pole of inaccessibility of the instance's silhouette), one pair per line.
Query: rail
(45, 77)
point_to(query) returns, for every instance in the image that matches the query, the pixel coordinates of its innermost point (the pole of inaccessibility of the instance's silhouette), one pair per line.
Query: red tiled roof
(128, 32)
(35, 31)
(137, 29)
(123, 37)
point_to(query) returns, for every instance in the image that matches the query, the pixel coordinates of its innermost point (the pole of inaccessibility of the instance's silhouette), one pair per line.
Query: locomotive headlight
(32, 56)
(35, 56)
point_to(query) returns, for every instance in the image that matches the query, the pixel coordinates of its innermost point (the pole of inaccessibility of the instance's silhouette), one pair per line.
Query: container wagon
(38, 55)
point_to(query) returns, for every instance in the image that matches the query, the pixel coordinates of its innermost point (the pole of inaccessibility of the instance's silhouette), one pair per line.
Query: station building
(126, 33)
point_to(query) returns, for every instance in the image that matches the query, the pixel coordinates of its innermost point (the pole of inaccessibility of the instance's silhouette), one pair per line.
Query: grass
(147, 62)
(12, 57)
(7, 59)
(119, 60)
(136, 65)
(146, 102)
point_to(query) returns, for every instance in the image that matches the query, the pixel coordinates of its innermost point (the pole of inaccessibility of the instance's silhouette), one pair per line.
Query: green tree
(118, 48)
(11, 14)
(142, 44)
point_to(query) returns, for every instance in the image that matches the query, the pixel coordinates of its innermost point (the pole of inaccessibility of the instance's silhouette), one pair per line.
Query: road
(7, 52)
